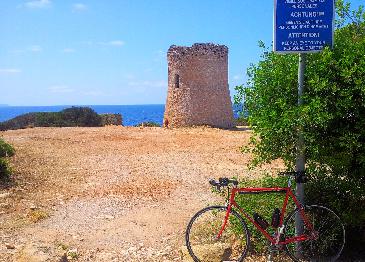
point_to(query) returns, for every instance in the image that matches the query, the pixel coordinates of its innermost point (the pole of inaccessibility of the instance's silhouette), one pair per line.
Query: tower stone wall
(198, 92)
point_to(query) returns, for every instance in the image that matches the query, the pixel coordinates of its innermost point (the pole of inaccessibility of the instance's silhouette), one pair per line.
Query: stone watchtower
(198, 91)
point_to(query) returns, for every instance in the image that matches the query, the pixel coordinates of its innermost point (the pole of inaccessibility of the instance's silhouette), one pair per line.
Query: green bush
(148, 124)
(19, 122)
(331, 117)
(48, 119)
(241, 121)
(344, 195)
(6, 150)
(80, 116)
(5, 170)
(111, 119)
(69, 117)
(74, 116)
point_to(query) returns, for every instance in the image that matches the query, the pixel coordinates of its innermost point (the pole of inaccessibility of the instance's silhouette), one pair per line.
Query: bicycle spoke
(329, 242)
(323, 224)
(202, 232)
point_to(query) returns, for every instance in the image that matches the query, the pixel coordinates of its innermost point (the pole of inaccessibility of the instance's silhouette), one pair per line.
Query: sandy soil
(112, 193)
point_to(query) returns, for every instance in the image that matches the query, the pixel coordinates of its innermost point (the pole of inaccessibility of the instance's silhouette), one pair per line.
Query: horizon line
(9, 105)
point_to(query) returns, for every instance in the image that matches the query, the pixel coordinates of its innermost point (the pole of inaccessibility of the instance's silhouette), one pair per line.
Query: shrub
(19, 122)
(345, 196)
(5, 170)
(241, 121)
(148, 124)
(111, 119)
(6, 150)
(37, 215)
(74, 116)
(48, 119)
(322, 188)
(331, 117)
(80, 116)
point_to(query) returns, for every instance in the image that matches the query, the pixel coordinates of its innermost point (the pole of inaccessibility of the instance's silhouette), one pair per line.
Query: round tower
(198, 92)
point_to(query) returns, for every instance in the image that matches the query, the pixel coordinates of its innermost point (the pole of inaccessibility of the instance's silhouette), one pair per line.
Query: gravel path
(112, 193)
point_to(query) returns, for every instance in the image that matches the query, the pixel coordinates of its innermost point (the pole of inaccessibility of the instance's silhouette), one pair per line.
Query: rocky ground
(112, 193)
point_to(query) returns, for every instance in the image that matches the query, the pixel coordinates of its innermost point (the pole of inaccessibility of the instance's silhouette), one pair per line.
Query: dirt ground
(112, 193)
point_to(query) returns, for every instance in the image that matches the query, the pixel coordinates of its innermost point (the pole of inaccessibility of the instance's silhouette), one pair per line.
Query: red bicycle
(219, 233)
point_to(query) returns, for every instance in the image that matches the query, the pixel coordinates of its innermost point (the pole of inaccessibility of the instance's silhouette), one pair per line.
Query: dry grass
(37, 215)
(117, 187)
(138, 187)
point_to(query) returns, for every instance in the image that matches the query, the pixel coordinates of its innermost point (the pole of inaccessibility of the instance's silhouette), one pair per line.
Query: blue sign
(303, 26)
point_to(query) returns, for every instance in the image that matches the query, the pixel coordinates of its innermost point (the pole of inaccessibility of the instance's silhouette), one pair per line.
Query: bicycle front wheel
(328, 235)
(202, 232)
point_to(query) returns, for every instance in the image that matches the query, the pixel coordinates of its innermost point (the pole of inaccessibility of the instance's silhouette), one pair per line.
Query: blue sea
(132, 114)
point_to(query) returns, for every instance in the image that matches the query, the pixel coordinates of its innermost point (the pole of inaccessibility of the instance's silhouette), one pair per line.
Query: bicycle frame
(288, 194)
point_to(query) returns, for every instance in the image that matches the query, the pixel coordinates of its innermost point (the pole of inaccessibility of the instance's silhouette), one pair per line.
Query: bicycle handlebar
(222, 182)
(300, 177)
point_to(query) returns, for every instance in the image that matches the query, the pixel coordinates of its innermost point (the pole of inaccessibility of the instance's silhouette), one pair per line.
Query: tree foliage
(69, 117)
(332, 116)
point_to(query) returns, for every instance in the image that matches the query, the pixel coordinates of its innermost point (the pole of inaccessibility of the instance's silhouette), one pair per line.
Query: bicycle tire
(331, 236)
(201, 236)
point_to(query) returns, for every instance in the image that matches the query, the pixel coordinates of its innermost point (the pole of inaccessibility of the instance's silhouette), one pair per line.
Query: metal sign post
(302, 26)
(300, 160)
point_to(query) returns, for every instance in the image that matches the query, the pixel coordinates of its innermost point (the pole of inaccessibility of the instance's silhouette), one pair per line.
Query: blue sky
(113, 52)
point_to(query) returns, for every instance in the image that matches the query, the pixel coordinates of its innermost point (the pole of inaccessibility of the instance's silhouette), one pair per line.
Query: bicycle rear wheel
(329, 237)
(202, 231)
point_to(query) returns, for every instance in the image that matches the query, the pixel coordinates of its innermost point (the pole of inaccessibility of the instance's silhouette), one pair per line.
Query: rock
(9, 246)
(78, 237)
(33, 207)
(4, 195)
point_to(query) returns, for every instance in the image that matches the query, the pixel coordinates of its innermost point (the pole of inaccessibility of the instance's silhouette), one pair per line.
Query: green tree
(332, 116)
